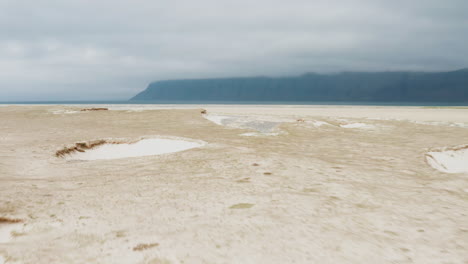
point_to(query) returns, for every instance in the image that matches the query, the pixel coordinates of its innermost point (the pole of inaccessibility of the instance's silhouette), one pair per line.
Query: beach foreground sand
(269, 185)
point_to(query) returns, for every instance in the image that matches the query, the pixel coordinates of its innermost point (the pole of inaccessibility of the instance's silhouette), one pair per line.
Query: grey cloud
(83, 49)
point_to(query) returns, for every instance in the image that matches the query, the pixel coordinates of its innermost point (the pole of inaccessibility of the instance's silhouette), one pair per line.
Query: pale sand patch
(319, 123)
(6, 231)
(61, 112)
(357, 125)
(258, 134)
(262, 124)
(217, 119)
(144, 147)
(449, 160)
(441, 123)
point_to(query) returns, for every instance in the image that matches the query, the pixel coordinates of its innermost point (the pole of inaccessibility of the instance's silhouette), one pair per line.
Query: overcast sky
(111, 49)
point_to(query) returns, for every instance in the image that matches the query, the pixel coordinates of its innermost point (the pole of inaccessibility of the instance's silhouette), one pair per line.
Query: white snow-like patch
(61, 111)
(264, 124)
(144, 147)
(6, 231)
(449, 160)
(357, 125)
(319, 123)
(217, 119)
(429, 123)
(258, 134)
(464, 125)
(2, 260)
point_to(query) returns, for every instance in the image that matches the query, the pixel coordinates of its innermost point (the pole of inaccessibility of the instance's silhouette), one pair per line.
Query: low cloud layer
(93, 50)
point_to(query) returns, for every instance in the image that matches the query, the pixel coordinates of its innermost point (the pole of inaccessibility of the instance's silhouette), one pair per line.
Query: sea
(298, 103)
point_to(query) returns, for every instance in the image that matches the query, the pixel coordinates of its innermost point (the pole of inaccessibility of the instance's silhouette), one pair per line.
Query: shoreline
(248, 103)
(399, 113)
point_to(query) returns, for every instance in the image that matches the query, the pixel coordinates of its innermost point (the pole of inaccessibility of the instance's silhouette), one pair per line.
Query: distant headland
(400, 86)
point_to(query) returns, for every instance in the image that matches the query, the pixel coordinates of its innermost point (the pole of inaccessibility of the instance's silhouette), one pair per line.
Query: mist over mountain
(346, 86)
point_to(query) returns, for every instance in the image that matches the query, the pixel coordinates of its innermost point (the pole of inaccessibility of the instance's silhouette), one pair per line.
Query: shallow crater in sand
(118, 149)
(449, 160)
(263, 125)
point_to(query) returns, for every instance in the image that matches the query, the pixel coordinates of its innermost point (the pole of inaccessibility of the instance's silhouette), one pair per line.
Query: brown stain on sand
(7, 220)
(141, 246)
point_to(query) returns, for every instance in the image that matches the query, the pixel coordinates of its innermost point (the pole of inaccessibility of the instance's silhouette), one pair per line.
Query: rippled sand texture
(329, 185)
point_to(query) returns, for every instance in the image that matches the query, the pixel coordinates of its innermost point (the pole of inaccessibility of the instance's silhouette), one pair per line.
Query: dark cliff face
(347, 86)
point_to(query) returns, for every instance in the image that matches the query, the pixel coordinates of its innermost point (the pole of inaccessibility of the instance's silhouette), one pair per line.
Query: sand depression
(450, 159)
(118, 149)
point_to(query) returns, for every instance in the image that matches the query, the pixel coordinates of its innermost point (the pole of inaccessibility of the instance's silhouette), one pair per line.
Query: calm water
(232, 103)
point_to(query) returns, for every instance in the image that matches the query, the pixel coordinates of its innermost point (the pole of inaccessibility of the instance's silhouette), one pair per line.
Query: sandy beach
(263, 184)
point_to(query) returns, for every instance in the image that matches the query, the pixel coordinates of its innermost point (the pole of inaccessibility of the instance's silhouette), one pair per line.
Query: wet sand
(326, 185)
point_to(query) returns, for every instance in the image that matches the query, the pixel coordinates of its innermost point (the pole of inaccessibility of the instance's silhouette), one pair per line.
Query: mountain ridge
(403, 86)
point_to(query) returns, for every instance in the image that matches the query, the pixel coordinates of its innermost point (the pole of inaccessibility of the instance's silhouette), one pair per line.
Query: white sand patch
(464, 125)
(6, 231)
(144, 147)
(319, 123)
(217, 119)
(429, 123)
(449, 160)
(266, 125)
(357, 125)
(62, 111)
(258, 134)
